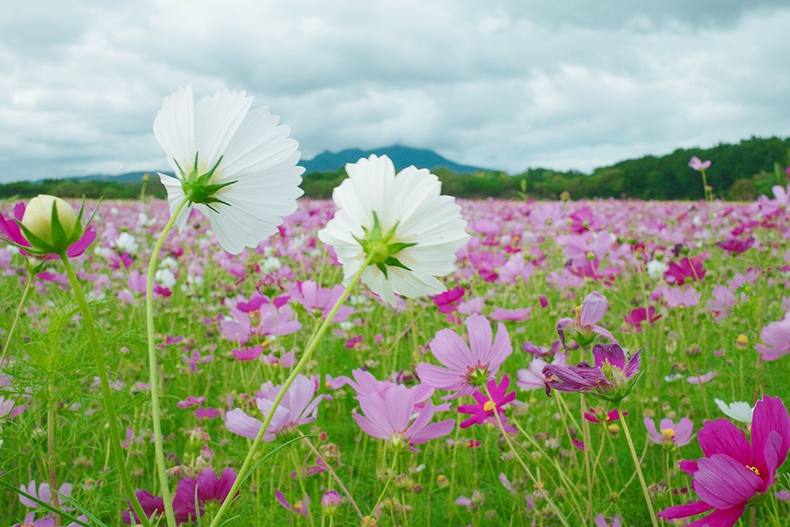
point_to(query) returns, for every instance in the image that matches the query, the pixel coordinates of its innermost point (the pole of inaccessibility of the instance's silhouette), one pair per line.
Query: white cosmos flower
(413, 230)
(254, 179)
(739, 410)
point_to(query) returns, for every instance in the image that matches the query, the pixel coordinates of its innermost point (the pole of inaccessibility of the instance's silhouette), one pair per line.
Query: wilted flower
(402, 223)
(611, 378)
(236, 166)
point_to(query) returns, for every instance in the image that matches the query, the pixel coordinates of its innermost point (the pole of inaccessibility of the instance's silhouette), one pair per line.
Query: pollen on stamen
(488, 406)
(753, 469)
(668, 434)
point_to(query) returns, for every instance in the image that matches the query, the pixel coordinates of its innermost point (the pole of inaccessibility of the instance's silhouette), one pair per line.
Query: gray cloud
(502, 85)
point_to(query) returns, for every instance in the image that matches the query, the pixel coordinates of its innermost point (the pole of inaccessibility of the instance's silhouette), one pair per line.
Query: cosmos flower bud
(49, 218)
(331, 502)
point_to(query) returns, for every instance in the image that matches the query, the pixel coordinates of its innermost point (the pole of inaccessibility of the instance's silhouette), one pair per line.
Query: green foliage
(90, 189)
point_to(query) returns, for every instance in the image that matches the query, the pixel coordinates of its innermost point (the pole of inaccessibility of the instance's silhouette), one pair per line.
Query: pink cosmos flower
(390, 418)
(584, 327)
(483, 411)
(297, 408)
(299, 507)
(736, 245)
(31, 521)
(44, 494)
(669, 433)
(209, 487)
(364, 383)
(723, 300)
(511, 315)
(597, 415)
(467, 366)
(701, 379)
(733, 471)
(600, 521)
(698, 165)
(151, 505)
(689, 269)
(776, 336)
(319, 300)
(533, 378)
(640, 315)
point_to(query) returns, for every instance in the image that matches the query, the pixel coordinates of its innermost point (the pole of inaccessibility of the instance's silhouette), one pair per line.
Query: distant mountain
(402, 157)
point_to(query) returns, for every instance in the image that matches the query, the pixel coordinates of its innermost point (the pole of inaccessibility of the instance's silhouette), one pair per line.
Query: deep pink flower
(151, 505)
(597, 415)
(467, 366)
(390, 418)
(300, 507)
(209, 488)
(776, 336)
(483, 411)
(733, 471)
(736, 245)
(584, 328)
(670, 433)
(640, 315)
(688, 270)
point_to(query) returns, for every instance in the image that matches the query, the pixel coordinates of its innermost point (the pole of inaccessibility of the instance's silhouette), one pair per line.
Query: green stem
(586, 452)
(383, 491)
(638, 466)
(51, 414)
(153, 370)
(11, 330)
(532, 478)
(311, 346)
(109, 408)
(335, 477)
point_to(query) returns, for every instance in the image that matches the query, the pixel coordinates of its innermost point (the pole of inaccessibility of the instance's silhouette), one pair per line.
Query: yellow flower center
(668, 434)
(753, 469)
(742, 340)
(489, 406)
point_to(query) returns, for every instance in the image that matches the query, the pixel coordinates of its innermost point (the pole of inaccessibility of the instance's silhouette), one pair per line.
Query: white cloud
(501, 84)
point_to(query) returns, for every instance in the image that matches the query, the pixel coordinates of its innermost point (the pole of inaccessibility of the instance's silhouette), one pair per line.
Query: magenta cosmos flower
(733, 471)
(389, 416)
(483, 410)
(669, 433)
(584, 328)
(467, 366)
(297, 408)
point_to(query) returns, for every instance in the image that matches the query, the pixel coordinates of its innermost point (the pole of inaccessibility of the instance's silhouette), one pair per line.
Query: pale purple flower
(533, 378)
(584, 327)
(722, 302)
(299, 507)
(44, 494)
(390, 418)
(319, 300)
(701, 379)
(473, 503)
(611, 377)
(698, 164)
(31, 521)
(467, 366)
(511, 315)
(685, 296)
(600, 521)
(776, 336)
(670, 433)
(297, 408)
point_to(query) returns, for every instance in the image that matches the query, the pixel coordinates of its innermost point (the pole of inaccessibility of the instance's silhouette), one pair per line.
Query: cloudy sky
(504, 84)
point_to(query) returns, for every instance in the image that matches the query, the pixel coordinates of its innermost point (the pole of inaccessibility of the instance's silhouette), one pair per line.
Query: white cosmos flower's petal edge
(174, 127)
(739, 410)
(217, 119)
(175, 195)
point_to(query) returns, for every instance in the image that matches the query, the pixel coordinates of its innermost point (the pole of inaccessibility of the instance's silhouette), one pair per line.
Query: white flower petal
(174, 127)
(217, 119)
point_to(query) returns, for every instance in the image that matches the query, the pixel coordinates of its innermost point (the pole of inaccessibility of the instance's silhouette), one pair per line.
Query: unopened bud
(38, 216)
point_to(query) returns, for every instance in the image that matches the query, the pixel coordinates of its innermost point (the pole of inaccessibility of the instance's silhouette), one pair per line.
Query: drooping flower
(467, 366)
(611, 377)
(297, 408)
(776, 336)
(390, 418)
(733, 471)
(584, 328)
(483, 411)
(410, 231)
(233, 164)
(669, 433)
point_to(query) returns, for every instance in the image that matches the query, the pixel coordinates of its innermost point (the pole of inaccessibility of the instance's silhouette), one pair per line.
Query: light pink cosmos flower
(511, 315)
(533, 378)
(734, 471)
(297, 408)
(390, 418)
(698, 165)
(467, 366)
(319, 300)
(364, 383)
(44, 494)
(669, 433)
(776, 336)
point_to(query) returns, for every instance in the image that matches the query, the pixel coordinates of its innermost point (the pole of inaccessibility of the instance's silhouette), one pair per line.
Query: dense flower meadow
(392, 357)
(665, 278)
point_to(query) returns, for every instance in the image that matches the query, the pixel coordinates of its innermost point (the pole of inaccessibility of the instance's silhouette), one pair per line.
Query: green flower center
(381, 247)
(202, 187)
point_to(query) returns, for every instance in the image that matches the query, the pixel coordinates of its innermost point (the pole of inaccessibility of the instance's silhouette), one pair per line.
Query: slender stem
(51, 414)
(25, 291)
(532, 478)
(153, 370)
(638, 466)
(383, 492)
(311, 346)
(336, 478)
(109, 408)
(300, 479)
(586, 452)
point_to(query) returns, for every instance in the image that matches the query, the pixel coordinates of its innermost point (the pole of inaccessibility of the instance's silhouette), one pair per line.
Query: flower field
(467, 407)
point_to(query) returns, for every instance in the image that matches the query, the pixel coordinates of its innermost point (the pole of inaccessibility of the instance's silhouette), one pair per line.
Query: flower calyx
(380, 248)
(202, 188)
(50, 225)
